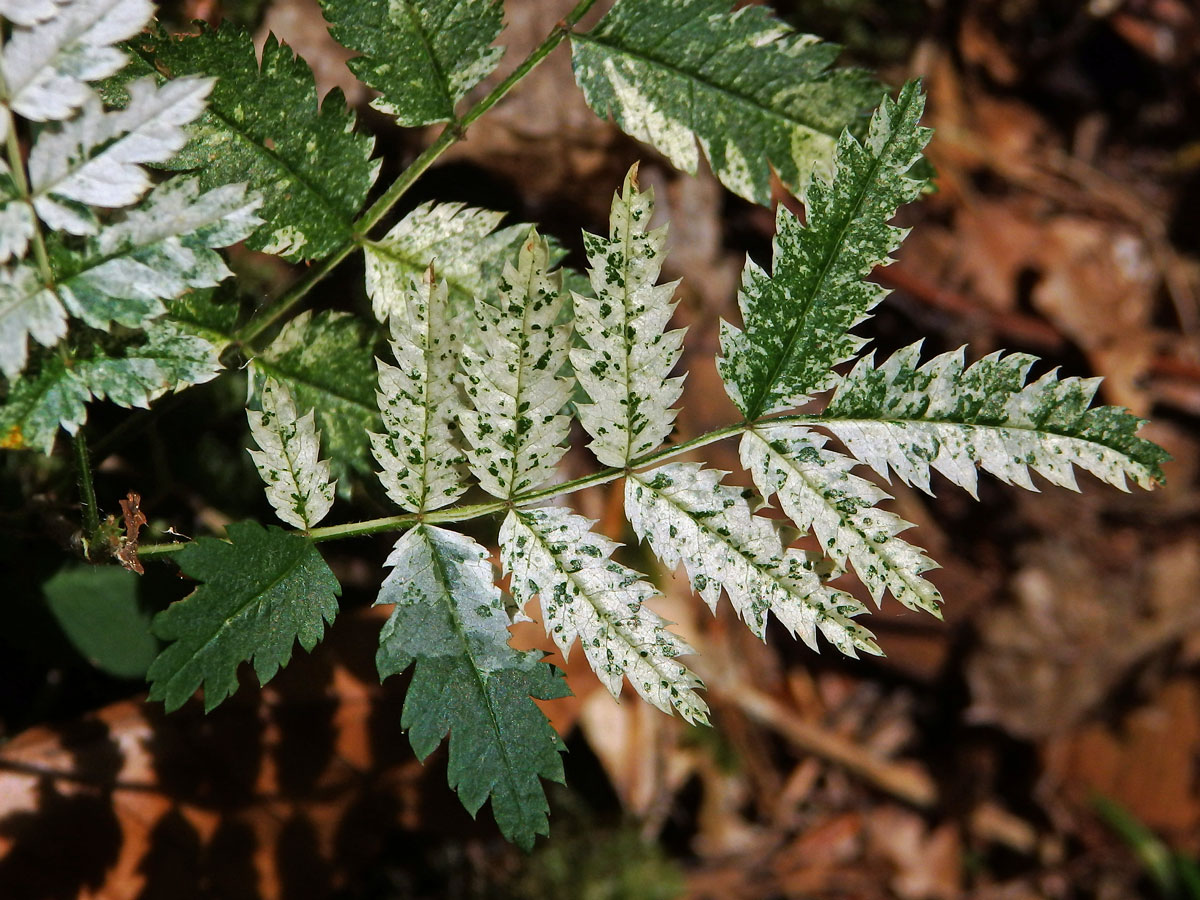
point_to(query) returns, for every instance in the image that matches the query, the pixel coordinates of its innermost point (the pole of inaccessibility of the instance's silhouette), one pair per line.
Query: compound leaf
(951, 418)
(260, 592)
(743, 84)
(325, 362)
(304, 157)
(554, 553)
(688, 516)
(796, 320)
(818, 492)
(627, 354)
(449, 620)
(421, 55)
(515, 431)
(297, 480)
(420, 402)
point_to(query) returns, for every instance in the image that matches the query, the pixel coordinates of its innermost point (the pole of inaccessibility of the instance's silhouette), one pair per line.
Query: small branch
(450, 135)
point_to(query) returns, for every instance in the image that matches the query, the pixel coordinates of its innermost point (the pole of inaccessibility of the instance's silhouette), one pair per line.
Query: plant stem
(477, 510)
(87, 492)
(451, 134)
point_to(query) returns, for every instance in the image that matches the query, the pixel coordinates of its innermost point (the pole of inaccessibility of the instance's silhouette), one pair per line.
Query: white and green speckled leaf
(162, 248)
(420, 402)
(796, 321)
(466, 246)
(585, 594)
(56, 49)
(818, 492)
(515, 427)
(96, 159)
(626, 354)
(952, 418)
(450, 624)
(421, 55)
(751, 90)
(297, 479)
(687, 515)
(265, 126)
(37, 406)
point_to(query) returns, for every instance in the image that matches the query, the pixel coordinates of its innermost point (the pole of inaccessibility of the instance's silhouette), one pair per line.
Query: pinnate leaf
(743, 84)
(817, 490)
(259, 593)
(952, 418)
(298, 484)
(796, 320)
(687, 515)
(627, 354)
(421, 55)
(554, 553)
(450, 621)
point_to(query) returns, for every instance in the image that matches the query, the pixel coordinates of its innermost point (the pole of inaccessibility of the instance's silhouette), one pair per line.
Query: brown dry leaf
(296, 786)
(927, 862)
(1146, 761)
(135, 520)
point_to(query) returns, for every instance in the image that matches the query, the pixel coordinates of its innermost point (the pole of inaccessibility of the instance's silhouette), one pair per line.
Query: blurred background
(1041, 742)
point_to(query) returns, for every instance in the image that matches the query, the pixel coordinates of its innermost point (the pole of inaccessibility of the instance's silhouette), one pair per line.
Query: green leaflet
(260, 592)
(449, 620)
(949, 417)
(555, 554)
(796, 320)
(515, 429)
(326, 362)
(627, 354)
(818, 492)
(288, 458)
(686, 515)
(37, 405)
(264, 127)
(420, 402)
(421, 55)
(747, 87)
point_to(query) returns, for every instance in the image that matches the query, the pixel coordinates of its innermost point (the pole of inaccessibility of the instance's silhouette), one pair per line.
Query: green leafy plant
(108, 293)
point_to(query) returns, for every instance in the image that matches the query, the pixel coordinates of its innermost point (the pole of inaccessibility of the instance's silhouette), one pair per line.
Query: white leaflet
(297, 480)
(27, 309)
(419, 401)
(95, 159)
(688, 516)
(27, 12)
(516, 429)
(584, 593)
(625, 365)
(817, 491)
(48, 64)
(159, 251)
(953, 418)
(16, 222)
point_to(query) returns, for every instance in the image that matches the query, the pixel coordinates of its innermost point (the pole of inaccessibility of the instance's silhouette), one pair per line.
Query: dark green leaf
(97, 608)
(259, 593)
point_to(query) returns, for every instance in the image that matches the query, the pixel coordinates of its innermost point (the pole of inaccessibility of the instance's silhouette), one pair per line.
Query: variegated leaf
(554, 553)
(949, 417)
(627, 354)
(298, 484)
(817, 490)
(420, 402)
(796, 321)
(515, 430)
(687, 515)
